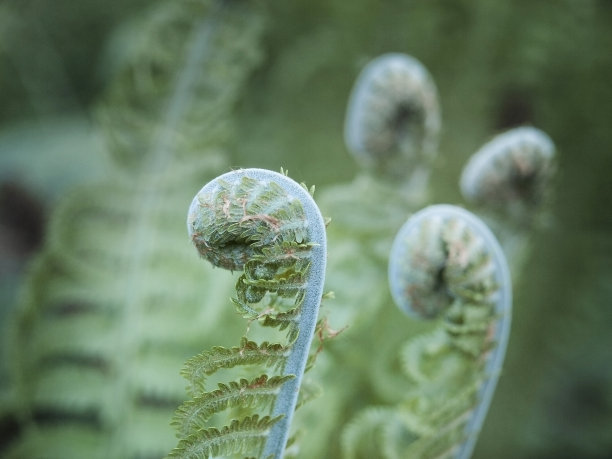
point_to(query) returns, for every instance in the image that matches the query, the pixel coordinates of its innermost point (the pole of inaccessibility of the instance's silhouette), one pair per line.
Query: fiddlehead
(366, 213)
(511, 173)
(509, 179)
(446, 265)
(393, 117)
(391, 127)
(266, 226)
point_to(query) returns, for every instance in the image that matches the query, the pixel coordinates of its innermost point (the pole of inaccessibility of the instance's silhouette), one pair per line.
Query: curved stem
(296, 362)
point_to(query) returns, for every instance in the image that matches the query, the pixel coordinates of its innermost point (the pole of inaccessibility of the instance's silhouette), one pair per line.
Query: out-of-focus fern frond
(183, 40)
(445, 264)
(112, 306)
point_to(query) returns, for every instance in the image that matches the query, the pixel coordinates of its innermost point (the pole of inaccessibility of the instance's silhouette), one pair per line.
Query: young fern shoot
(446, 262)
(509, 179)
(393, 116)
(511, 172)
(445, 265)
(269, 228)
(391, 128)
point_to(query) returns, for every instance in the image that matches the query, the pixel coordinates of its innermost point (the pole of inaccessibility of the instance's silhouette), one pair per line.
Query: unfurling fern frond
(445, 265)
(510, 179)
(268, 227)
(110, 310)
(393, 116)
(510, 173)
(391, 127)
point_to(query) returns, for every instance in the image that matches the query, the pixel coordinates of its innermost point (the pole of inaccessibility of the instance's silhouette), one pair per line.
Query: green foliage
(248, 353)
(112, 304)
(261, 391)
(240, 437)
(543, 65)
(201, 32)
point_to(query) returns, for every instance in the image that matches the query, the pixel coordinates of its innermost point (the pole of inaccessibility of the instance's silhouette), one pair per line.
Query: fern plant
(446, 363)
(393, 119)
(391, 128)
(445, 265)
(312, 57)
(110, 309)
(269, 228)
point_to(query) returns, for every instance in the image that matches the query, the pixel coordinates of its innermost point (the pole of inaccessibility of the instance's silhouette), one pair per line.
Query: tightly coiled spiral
(229, 222)
(393, 116)
(511, 170)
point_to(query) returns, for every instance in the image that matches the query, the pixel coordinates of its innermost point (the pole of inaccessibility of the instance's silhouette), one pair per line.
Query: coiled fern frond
(445, 265)
(268, 227)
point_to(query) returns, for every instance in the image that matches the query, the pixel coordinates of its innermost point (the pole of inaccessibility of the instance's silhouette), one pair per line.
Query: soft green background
(496, 64)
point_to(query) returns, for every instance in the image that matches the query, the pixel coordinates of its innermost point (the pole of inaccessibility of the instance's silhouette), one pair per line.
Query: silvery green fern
(267, 227)
(445, 263)
(509, 181)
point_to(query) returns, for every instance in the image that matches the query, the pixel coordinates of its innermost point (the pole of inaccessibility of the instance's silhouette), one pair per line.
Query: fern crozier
(267, 225)
(445, 262)
(393, 118)
(512, 169)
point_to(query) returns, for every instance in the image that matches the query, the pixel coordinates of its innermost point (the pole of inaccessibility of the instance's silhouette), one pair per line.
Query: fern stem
(296, 362)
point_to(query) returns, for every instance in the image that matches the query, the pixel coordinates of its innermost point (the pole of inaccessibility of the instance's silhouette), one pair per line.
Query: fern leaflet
(240, 437)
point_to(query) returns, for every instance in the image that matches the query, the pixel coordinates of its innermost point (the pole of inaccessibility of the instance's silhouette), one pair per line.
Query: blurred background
(496, 65)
